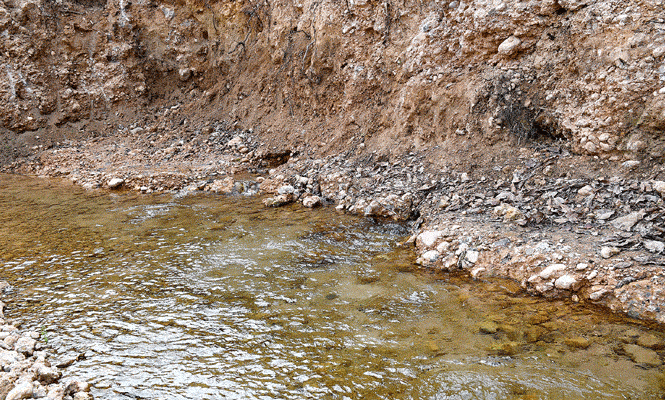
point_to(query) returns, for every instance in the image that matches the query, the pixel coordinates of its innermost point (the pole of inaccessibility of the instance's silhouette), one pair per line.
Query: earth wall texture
(377, 76)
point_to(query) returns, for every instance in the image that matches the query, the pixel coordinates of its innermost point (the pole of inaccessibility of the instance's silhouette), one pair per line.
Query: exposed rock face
(390, 76)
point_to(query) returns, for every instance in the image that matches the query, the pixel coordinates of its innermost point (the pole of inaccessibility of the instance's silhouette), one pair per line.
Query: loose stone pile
(26, 369)
(598, 240)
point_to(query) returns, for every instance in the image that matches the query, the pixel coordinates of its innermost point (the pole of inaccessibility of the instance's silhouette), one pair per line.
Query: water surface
(212, 297)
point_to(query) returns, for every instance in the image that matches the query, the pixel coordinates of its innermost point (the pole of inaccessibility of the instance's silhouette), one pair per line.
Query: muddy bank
(562, 225)
(28, 368)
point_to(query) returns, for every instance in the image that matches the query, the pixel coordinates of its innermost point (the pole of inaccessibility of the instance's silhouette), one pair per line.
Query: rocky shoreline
(592, 240)
(591, 237)
(28, 369)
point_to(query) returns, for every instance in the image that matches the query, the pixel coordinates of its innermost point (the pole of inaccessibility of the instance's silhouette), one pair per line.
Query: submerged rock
(508, 348)
(640, 355)
(577, 342)
(488, 327)
(651, 341)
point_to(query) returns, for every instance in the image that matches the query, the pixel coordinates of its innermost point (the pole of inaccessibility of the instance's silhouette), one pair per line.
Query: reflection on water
(209, 297)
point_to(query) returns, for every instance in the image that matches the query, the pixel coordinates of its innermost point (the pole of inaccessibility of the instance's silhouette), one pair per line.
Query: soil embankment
(524, 139)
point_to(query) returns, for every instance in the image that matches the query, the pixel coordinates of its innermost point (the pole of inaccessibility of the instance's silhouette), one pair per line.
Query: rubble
(26, 371)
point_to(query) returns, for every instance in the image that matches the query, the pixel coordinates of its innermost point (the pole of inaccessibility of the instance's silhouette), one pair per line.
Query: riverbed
(183, 296)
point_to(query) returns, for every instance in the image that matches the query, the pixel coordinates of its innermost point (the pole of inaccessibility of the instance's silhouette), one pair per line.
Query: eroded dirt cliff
(474, 78)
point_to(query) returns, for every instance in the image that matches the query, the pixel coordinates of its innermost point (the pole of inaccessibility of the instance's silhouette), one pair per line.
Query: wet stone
(286, 189)
(278, 201)
(115, 183)
(509, 348)
(488, 327)
(651, 341)
(430, 256)
(643, 356)
(577, 342)
(533, 334)
(311, 201)
(565, 282)
(77, 387)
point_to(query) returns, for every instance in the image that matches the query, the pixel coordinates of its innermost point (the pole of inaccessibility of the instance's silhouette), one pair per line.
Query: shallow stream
(211, 297)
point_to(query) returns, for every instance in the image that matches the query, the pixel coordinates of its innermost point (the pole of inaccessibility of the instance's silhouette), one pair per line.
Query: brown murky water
(209, 297)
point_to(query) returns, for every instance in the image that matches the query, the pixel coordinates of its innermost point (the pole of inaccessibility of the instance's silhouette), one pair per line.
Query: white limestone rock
(115, 183)
(509, 46)
(551, 270)
(566, 282)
